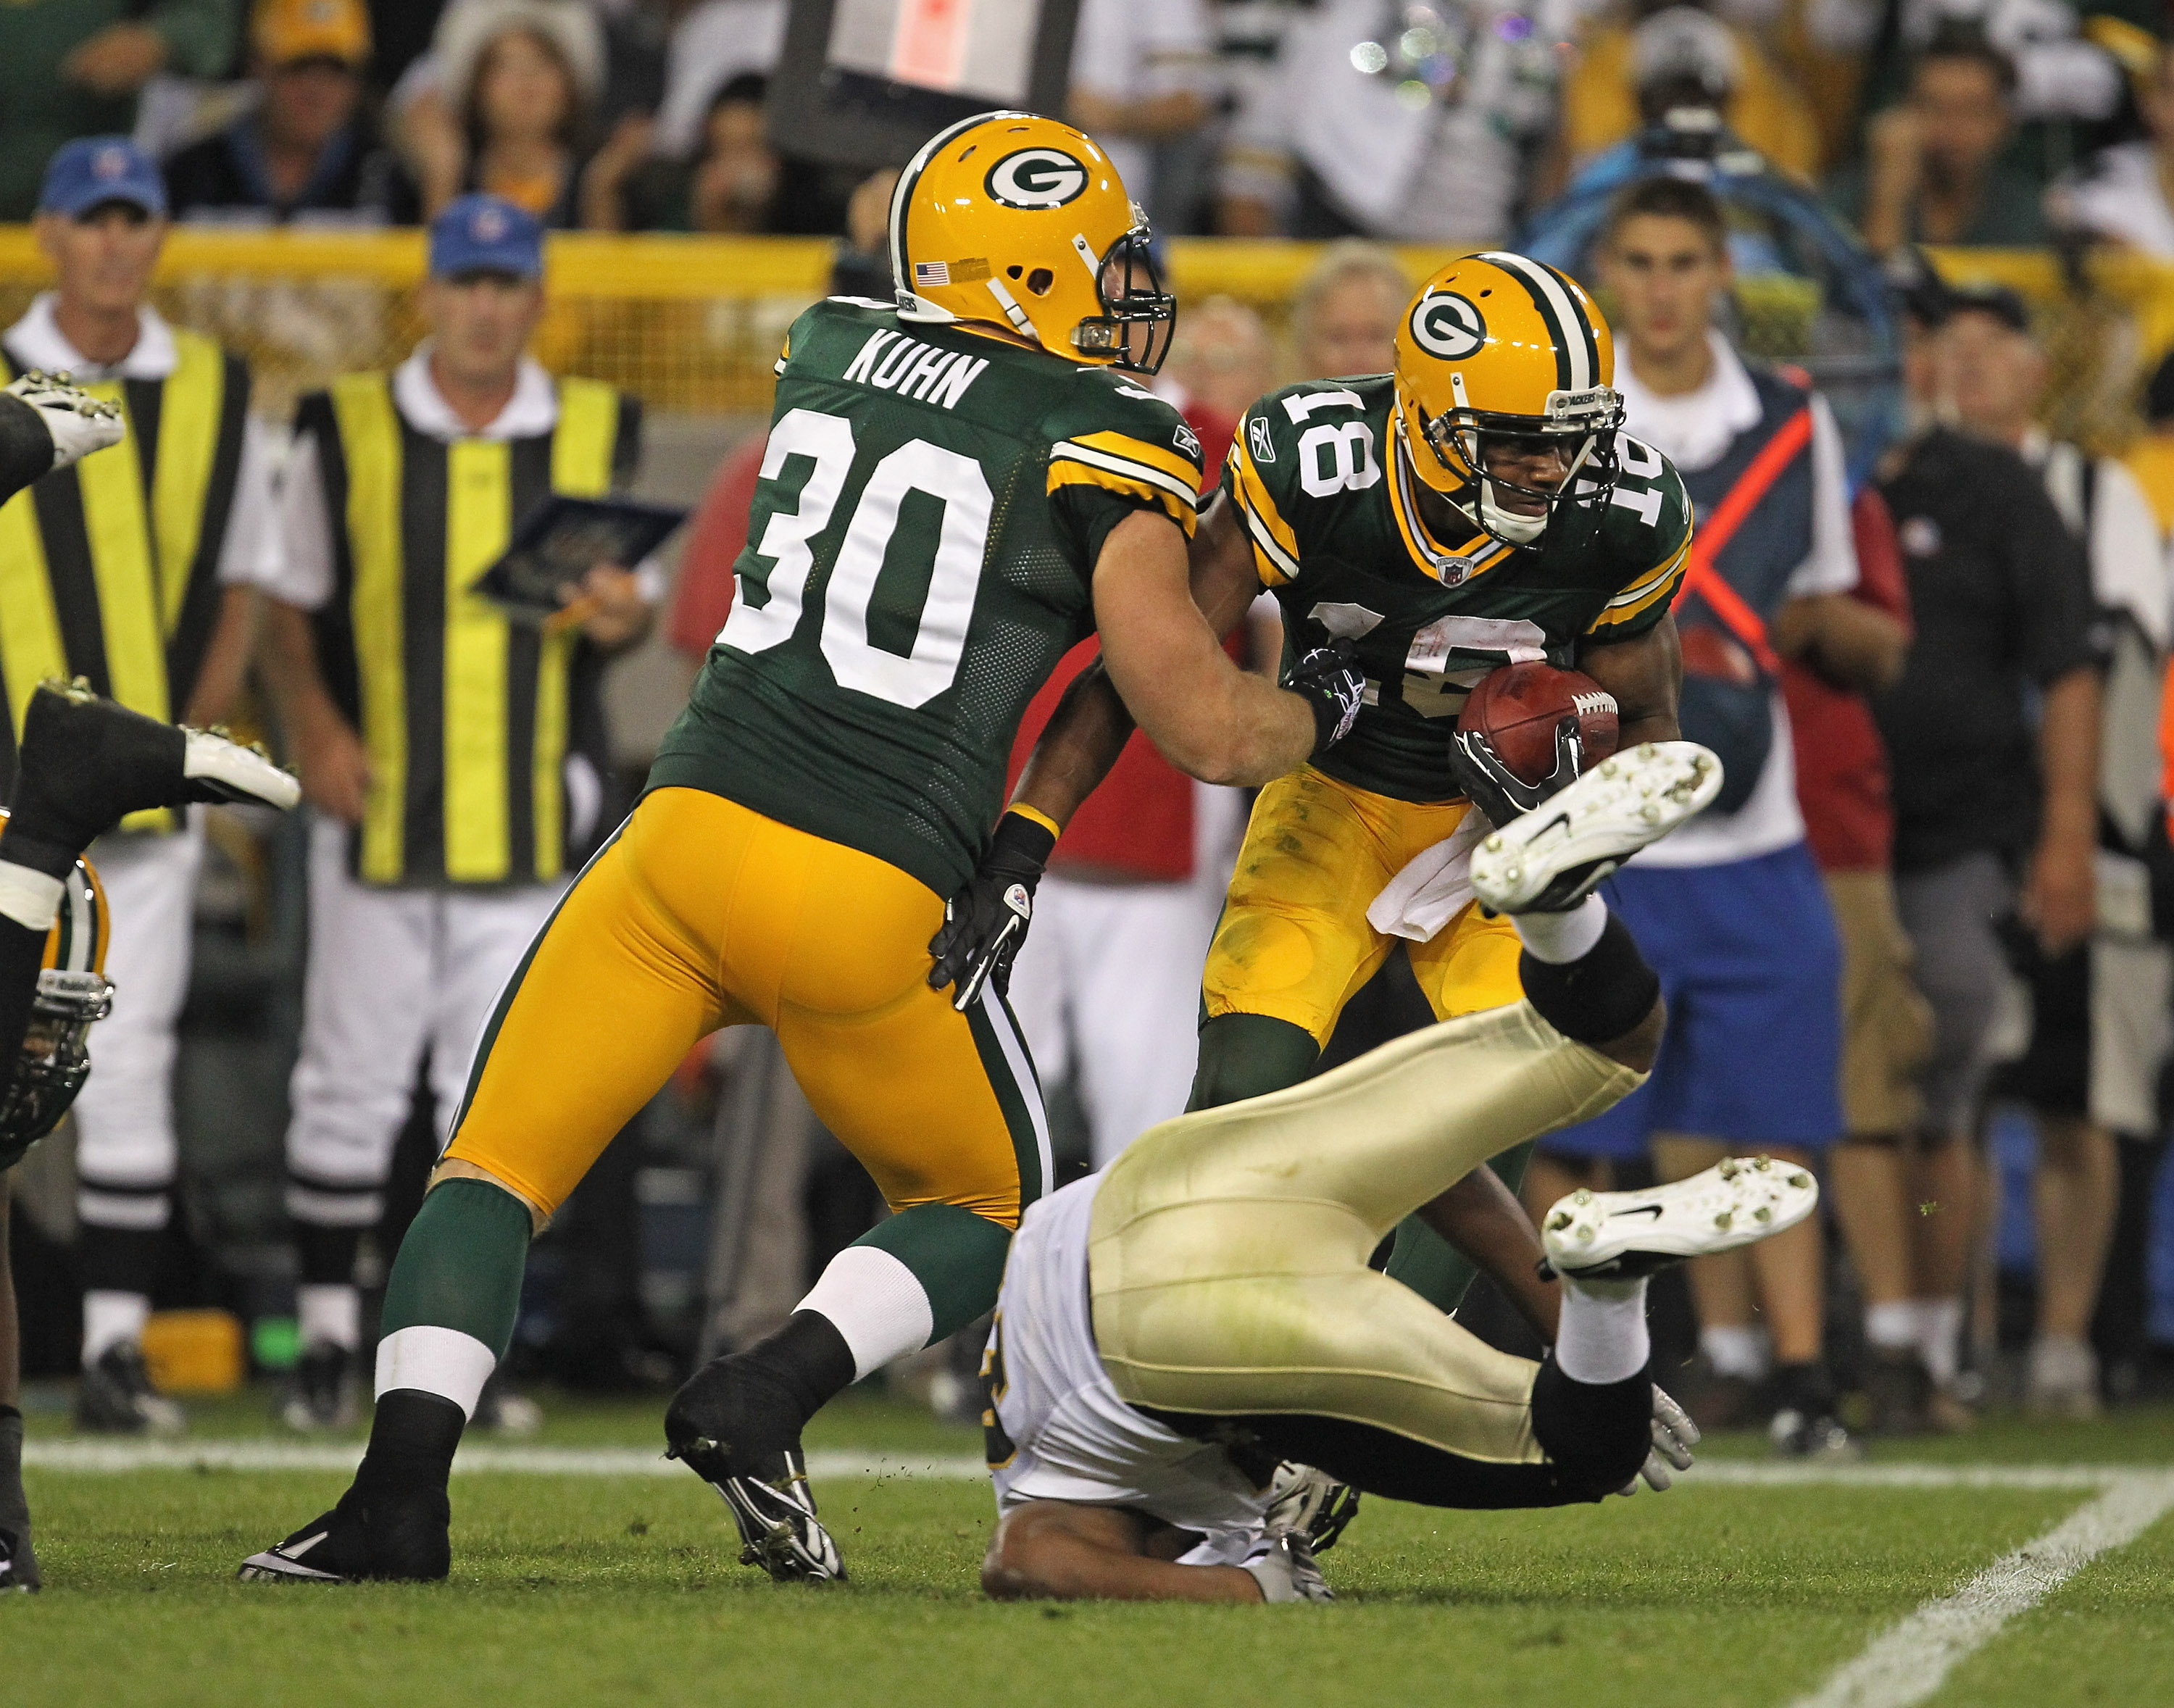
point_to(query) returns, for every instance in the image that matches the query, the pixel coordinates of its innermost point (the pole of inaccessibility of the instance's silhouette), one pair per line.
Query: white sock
(29, 897)
(1560, 938)
(110, 1319)
(1602, 1337)
(329, 1314)
(1735, 1349)
(876, 1303)
(1940, 1337)
(1894, 1326)
(442, 1362)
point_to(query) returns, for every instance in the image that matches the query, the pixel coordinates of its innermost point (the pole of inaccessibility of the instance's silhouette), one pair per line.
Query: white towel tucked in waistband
(1434, 887)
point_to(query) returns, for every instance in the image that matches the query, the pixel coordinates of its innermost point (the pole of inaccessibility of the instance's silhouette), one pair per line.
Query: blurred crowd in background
(1880, 128)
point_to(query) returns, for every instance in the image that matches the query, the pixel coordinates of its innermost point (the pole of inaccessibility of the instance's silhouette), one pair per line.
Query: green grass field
(607, 1588)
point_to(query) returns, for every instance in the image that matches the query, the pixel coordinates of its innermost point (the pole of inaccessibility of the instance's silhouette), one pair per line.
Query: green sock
(957, 1257)
(460, 1265)
(1429, 1264)
(1248, 1056)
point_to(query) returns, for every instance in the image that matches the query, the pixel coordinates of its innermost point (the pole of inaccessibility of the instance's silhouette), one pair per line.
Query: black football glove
(1330, 681)
(1499, 792)
(985, 923)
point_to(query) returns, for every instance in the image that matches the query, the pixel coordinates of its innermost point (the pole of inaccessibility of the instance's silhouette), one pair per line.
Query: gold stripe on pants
(1228, 1249)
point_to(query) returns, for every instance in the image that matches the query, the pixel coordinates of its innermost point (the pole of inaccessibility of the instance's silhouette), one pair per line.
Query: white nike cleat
(1618, 1237)
(222, 768)
(79, 424)
(1549, 858)
(1307, 1503)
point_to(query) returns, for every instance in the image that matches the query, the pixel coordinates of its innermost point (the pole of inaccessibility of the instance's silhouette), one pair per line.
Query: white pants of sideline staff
(126, 1154)
(392, 972)
(1107, 987)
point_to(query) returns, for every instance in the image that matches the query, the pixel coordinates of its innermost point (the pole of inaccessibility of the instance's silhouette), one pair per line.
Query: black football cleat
(732, 1425)
(775, 1510)
(115, 1398)
(364, 1540)
(87, 762)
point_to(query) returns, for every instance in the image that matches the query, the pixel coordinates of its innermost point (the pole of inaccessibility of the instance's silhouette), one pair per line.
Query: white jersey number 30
(911, 679)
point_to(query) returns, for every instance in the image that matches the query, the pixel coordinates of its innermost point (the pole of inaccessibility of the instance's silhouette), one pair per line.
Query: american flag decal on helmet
(932, 273)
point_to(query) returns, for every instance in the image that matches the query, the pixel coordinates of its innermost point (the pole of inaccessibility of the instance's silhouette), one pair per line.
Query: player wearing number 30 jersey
(956, 489)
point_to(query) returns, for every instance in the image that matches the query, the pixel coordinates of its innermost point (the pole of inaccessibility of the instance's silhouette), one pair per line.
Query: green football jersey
(1326, 496)
(919, 557)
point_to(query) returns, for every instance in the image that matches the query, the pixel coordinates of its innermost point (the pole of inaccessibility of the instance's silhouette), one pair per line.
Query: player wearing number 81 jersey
(956, 489)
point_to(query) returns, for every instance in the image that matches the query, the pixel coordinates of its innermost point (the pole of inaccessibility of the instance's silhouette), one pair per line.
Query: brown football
(1518, 706)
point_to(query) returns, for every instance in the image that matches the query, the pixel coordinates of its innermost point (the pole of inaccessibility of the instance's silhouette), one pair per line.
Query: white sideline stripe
(1910, 1662)
(263, 1454)
(107, 1457)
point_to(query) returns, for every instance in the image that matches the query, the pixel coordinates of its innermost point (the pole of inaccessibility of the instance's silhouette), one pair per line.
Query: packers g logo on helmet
(1505, 398)
(1015, 221)
(1447, 326)
(1036, 178)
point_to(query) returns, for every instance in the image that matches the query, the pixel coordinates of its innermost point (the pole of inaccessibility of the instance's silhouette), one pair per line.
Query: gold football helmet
(1015, 221)
(72, 992)
(1503, 359)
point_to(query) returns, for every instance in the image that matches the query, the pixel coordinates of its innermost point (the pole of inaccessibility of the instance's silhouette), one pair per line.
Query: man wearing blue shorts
(1731, 911)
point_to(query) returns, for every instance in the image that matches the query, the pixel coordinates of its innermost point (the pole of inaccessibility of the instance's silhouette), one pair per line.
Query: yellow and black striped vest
(466, 716)
(110, 570)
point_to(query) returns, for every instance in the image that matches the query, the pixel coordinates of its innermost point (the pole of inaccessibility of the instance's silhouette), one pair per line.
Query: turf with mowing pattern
(604, 1590)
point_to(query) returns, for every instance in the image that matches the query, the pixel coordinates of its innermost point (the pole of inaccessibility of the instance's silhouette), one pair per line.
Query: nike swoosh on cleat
(1652, 1210)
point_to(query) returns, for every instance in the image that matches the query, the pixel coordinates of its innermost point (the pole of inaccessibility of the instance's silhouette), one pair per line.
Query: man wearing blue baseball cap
(137, 556)
(453, 757)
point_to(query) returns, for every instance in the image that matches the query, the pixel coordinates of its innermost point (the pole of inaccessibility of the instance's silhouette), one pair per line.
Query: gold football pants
(1295, 943)
(1228, 1249)
(701, 913)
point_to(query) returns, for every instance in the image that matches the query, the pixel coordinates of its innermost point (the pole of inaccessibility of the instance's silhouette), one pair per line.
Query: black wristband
(1020, 841)
(1327, 715)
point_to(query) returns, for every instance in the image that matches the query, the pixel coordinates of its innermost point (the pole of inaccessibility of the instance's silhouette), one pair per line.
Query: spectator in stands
(1730, 909)
(305, 151)
(717, 41)
(1624, 68)
(1345, 312)
(1340, 145)
(1221, 359)
(2099, 1007)
(1142, 74)
(74, 69)
(502, 103)
(2123, 196)
(1932, 171)
(1995, 807)
(732, 187)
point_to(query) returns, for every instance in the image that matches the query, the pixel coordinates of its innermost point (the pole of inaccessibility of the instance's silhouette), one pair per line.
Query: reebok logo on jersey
(1258, 443)
(1036, 178)
(1447, 326)
(893, 362)
(1185, 440)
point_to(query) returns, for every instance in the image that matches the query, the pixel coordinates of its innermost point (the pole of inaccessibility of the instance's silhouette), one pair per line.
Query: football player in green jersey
(956, 490)
(1477, 506)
